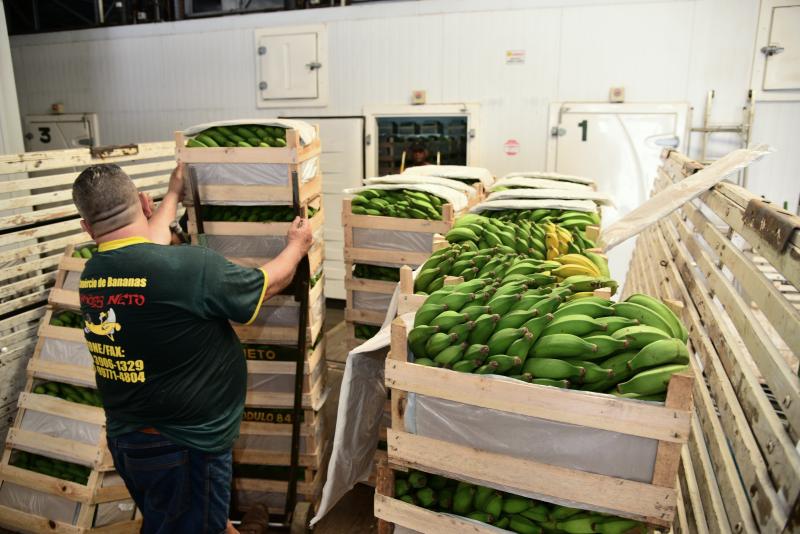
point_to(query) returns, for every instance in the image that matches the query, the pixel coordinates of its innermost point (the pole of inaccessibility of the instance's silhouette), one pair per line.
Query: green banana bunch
(376, 272)
(401, 203)
(251, 213)
(244, 135)
(504, 511)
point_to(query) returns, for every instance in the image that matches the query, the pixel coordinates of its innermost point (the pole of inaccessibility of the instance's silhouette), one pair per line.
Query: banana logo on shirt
(106, 327)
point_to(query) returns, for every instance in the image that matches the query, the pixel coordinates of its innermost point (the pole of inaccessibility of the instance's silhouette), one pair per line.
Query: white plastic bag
(456, 172)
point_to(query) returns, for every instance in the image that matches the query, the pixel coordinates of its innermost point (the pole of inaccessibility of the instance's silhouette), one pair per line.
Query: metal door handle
(772, 50)
(314, 65)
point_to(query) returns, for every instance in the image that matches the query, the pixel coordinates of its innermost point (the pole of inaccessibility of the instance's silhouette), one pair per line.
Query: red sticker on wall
(511, 147)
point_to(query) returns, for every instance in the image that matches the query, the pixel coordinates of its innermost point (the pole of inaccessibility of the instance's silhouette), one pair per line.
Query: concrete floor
(353, 513)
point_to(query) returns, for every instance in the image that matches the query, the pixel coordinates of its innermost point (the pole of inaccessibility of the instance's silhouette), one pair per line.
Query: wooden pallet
(36, 229)
(741, 471)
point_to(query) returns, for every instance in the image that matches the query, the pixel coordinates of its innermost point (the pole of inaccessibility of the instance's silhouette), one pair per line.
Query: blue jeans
(178, 489)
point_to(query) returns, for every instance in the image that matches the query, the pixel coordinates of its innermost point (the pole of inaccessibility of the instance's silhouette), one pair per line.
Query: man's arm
(280, 270)
(167, 210)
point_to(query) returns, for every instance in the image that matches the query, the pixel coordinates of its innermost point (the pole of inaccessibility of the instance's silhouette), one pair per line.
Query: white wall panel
(145, 81)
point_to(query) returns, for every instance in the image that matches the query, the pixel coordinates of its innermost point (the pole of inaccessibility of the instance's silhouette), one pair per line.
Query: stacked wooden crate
(262, 452)
(368, 299)
(56, 472)
(741, 469)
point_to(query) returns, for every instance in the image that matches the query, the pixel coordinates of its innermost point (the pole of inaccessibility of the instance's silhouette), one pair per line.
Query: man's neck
(136, 229)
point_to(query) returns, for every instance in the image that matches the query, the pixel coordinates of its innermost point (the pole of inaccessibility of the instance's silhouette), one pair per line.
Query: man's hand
(176, 185)
(148, 204)
(299, 235)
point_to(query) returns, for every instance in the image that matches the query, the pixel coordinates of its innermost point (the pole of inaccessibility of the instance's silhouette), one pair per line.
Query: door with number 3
(619, 146)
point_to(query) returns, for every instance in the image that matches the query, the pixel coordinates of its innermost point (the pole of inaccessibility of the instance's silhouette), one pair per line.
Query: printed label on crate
(268, 415)
(275, 353)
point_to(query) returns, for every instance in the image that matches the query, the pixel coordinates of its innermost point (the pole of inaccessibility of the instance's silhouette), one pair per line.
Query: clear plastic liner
(549, 176)
(69, 352)
(274, 383)
(114, 512)
(252, 246)
(364, 300)
(676, 195)
(392, 240)
(289, 315)
(60, 427)
(277, 174)
(413, 179)
(455, 172)
(534, 204)
(572, 446)
(559, 194)
(38, 503)
(307, 131)
(457, 199)
(539, 183)
(72, 280)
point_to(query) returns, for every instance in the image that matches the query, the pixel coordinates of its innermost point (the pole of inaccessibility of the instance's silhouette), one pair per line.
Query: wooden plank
(62, 408)
(64, 299)
(705, 479)
(40, 232)
(419, 519)
(39, 297)
(77, 157)
(688, 484)
(594, 410)
(773, 367)
(371, 286)
(627, 498)
(401, 257)
(44, 247)
(80, 453)
(271, 193)
(68, 178)
(42, 199)
(60, 372)
(26, 267)
(21, 319)
(398, 224)
(679, 397)
(292, 153)
(250, 228)
(766, 427)
(25, 522)
(784, 317)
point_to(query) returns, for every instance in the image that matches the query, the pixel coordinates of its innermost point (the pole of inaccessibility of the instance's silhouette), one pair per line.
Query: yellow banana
(578, 259)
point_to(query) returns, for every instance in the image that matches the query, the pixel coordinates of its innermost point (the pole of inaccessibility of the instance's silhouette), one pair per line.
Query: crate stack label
(262, 452)
(56, 472)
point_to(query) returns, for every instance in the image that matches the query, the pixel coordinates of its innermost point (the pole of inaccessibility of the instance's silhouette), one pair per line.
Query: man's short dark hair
(106, 198)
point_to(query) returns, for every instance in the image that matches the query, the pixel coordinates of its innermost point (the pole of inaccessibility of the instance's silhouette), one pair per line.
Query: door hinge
(772, 50)
(556, 131)
(368, 139)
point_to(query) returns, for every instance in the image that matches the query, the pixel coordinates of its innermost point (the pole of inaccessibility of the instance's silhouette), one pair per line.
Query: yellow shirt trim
(119, 243)
(261, 298)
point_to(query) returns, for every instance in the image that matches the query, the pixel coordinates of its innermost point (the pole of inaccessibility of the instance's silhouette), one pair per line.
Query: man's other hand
(176, 185)
(300, 235)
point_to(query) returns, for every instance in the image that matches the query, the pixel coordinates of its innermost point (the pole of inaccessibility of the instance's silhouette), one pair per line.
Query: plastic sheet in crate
(258, 246)
(365, 300)
(67, 352)
(60, 427)
(289, 315)
(392, 240)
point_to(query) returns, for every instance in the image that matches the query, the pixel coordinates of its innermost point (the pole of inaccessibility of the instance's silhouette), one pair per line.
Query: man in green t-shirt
(168, 364)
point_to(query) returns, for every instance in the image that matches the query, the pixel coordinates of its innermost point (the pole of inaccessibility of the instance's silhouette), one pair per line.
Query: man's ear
(87, 228)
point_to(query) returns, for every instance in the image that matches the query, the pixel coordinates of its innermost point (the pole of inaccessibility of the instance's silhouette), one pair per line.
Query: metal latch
(774, 225)
(771, 50)
(555, 131)
(314, 65)
(368, 139)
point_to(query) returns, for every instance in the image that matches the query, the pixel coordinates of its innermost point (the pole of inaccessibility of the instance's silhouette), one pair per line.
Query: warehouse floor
(353, 514)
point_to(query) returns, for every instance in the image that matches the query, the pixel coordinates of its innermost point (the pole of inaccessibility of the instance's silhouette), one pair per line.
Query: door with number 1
(619, 146)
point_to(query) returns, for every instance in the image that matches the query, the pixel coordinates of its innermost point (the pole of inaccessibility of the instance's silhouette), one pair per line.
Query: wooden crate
(314, 381)
(741, 470)
(292, 155)
(286, 335)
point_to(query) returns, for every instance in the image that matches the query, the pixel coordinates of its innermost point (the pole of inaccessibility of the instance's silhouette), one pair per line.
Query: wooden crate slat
(236, 228)
(370, 317)
(401, 257)
(68, 178)
(77, 157)
(365, 284)
(421, 520)
(784, 317)
(62, 408)
(22, 269)
(61, 372)
(637, 500)
(25, 522)
(599, 411)
(705, 479)
(77, 452)
(696, 515)
(46, 484)
(293, 152)
(734, 425)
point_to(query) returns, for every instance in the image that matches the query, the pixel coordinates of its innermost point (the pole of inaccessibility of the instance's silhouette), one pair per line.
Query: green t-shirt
(165, 355)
